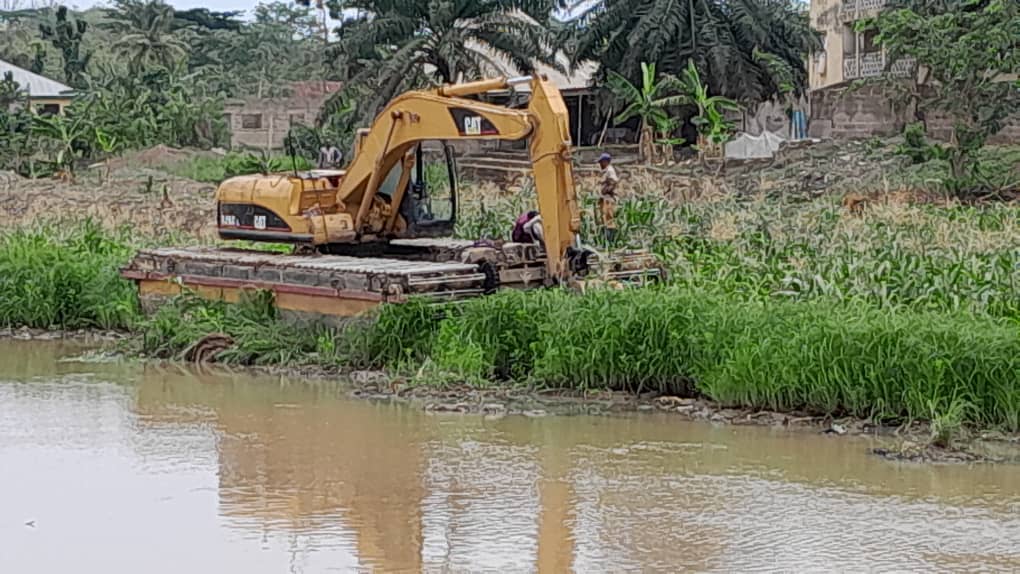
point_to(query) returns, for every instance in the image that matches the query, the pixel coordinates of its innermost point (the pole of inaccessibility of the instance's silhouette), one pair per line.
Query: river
(127, 467)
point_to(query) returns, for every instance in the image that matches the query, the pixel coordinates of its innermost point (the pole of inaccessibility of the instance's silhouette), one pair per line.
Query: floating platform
(320, 287)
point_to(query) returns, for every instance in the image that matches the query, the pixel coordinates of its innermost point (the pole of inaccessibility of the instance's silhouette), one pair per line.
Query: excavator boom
(446, 114)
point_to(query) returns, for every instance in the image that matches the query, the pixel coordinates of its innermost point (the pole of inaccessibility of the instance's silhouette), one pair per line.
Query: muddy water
(109, 467)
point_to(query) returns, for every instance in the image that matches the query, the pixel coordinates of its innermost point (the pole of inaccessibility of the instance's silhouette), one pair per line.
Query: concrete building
(263, 123)
(44, 95)
(848, 55)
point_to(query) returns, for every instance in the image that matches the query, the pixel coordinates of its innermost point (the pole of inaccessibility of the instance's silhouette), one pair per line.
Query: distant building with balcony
(848, 55)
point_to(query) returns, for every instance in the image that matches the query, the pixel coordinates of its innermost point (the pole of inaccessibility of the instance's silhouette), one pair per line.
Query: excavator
(382, 226)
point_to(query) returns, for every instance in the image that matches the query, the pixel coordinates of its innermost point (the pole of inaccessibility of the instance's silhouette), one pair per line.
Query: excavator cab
(429, 206)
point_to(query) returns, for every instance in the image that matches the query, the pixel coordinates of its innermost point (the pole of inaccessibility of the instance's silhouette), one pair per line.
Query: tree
(447, 40)
(66, 35)
(720, 36)
(968, 49)
(145, 34)
(15, 137)
(649, 103)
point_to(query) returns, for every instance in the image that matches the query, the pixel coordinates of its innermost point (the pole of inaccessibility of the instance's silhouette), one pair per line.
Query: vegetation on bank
(822, 357)
(903, 311)
(896, 253)
(66, 276)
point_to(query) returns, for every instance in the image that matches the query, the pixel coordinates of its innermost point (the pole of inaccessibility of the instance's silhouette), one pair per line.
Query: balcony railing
(873, 64)
(851, 10)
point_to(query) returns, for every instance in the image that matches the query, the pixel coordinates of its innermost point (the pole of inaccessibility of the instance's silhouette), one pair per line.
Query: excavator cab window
(430, 204)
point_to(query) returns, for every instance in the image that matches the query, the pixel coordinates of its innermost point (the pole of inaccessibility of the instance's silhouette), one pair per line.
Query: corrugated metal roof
(494, 65)
(35, 85)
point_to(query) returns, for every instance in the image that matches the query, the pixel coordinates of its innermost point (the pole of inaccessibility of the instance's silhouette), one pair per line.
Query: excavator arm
(446, 114)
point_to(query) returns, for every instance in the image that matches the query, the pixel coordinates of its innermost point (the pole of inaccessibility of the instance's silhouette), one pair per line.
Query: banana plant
(109, 145)
(649, 102)
(65, 134)
(713, 128)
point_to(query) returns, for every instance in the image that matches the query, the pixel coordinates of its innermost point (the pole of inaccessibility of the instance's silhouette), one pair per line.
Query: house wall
(825, 68)
(274, 118)
(39, 102)
(839, 112)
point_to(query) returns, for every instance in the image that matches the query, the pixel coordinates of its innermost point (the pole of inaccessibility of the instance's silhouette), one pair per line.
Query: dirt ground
(138, 194)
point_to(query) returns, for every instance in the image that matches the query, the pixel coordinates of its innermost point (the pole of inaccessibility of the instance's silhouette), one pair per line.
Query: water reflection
(270, 474)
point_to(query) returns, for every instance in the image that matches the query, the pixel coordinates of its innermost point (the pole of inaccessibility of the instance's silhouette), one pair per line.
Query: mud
(908, 443)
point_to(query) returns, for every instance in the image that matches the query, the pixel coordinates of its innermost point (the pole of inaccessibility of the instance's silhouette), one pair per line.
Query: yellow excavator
(392, 190)
(382, 227)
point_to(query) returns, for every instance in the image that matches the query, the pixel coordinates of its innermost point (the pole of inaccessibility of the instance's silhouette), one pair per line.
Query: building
(44, 95)
(848, 55)
(263, 123)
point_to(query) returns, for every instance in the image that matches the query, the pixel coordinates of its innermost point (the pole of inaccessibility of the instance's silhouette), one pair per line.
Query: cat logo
(469, 123)
(473, 125)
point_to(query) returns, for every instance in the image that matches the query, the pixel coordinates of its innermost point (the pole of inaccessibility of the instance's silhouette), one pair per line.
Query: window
(48, 109)
(297, 119)
(251, 121)
(868, 44)
(849, 41)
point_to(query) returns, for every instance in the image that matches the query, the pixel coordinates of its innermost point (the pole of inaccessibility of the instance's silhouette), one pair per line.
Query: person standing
(607, 196)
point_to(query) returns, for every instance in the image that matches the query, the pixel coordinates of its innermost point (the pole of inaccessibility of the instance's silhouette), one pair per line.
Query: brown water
(108, 467)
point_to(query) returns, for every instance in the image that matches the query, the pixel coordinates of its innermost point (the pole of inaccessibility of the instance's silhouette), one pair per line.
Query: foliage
(66, 35)
(63, 136)
(915, 145)
(65, 276)
(144, 32)
(649, 103)
(394, 42)
(721, 36)
(155, 107)
(713, 128)
(216, 169)
(15, 125)
(968, 49)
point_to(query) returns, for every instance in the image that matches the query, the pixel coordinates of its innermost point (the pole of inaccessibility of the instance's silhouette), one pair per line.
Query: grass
(65, 276)
(946, 257)
(216, 169)
(822, 356)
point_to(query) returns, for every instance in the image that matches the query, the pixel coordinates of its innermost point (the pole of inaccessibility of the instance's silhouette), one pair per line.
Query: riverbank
(906, 441)
(904, 311)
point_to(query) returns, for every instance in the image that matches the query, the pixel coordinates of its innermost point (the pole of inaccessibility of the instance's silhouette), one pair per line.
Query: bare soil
(138, 195)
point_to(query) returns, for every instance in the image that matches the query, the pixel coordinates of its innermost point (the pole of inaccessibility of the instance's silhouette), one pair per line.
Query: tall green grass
(820, 356)
(823, 357)
(65, 276)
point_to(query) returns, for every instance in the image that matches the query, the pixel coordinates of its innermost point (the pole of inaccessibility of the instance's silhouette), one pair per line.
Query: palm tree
(649, 103)
(395, 42)
(145, 34)
(719, 35)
